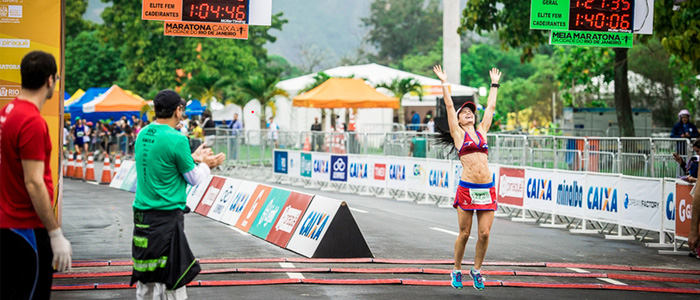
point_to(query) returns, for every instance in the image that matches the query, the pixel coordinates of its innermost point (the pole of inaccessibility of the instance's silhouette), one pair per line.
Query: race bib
(81, 134)
(480, 196)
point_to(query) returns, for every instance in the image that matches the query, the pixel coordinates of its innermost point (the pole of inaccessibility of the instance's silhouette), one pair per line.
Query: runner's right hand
(62, 251)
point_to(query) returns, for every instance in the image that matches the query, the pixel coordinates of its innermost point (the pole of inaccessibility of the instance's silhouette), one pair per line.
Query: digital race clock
(219, 11)
(601, 15)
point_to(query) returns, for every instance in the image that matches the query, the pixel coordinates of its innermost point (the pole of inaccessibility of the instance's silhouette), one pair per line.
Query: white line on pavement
(448, 232)
(292, 275)
(237, 230)
(359, 210)
(608, 280)
(577, 270)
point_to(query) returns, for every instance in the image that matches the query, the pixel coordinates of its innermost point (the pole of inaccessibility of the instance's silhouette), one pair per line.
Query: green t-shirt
(418, 146)
(162, 156)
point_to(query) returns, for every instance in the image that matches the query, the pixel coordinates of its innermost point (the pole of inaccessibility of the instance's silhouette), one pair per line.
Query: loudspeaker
(441, 111)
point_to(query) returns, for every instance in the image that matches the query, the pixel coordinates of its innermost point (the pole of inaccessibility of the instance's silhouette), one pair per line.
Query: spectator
(273, 133)
(415, 120)
(31, 240)
(684, 128)
(184, 122)
(236, 125)
(690, 169)
(134, 120)
(417, 145)
(428, 116)
(534, 130)
(316, 136)
(209, 128)
(430, 124)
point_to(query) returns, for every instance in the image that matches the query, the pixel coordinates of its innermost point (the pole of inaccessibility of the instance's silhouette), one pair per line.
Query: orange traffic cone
(307, 145)
(106, 172)
(351, 126)
(117, 164)
(90, 171)
(78, 168)
(70, 166)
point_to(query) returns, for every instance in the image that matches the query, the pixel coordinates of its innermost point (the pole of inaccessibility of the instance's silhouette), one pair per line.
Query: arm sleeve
(32, 140)
(675, 131)
(196, 175)
(694, 132)
(183, 156)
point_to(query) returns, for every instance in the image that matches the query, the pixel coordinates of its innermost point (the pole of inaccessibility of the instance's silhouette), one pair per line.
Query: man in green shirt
(417, 146)
(163, 261)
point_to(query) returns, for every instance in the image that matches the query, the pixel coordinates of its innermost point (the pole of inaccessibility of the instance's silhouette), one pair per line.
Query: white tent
(226, 114)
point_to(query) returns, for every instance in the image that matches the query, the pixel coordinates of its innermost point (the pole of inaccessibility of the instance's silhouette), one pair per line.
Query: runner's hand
(62, 251)
(440, 74)
(495, 75)
(214, 161)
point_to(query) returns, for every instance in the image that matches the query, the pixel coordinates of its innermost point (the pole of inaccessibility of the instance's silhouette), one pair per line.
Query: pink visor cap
(469, 104)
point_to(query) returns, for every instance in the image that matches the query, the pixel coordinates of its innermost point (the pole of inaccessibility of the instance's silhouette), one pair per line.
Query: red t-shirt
(23, 135)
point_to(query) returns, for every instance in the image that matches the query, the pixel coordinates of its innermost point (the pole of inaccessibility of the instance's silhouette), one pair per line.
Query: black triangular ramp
(343, 238)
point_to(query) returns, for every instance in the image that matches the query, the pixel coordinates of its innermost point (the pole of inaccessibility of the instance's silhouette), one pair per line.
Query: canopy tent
(345, 93)
(65, 95)
(194, 108)
(76, 107)
(114, 103)
(79, 93)
(376, 74)
(226, 114)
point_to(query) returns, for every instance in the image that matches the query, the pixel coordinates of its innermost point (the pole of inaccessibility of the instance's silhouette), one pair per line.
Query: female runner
(476, 191)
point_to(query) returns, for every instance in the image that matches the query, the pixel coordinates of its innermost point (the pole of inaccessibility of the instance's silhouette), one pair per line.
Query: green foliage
(75, 24)
(279, 65)
(679, 29)
(264, 89)
(579, 65)
(401, 27)
(91, 63)
(401, 87)
(480, 58)
(422, 64)
(204, 86)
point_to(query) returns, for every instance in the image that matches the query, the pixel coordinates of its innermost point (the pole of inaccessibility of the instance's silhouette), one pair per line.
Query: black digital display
(218, 11)
(602, 15)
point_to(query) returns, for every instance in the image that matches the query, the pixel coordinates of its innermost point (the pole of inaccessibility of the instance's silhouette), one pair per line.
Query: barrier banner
(396, 172)
(235, 207)
(684, 209)
(321, 170)
(669, 204)
(210, 195)
(294, 164)
(641, 202)
(118, 179)
(511, 186)
(307, 165)
(291, 214)
(568, 198)
(268, 214)
(359, 170)
(439, 177)
(339, 168)
(328, 230)
(195, 193)
(457, 176)
(280, 161)
(602, 198)
(377, 168)
(416, 174)
(251, 210)
(228, 191)
(539, 190)
(130, 178)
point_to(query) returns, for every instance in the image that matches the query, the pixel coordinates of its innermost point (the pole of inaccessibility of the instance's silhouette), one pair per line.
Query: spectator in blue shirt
(684, 128)
(236, 124)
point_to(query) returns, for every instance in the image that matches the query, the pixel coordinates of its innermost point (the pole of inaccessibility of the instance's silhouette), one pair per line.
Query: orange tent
(114, 100)
(345, 93)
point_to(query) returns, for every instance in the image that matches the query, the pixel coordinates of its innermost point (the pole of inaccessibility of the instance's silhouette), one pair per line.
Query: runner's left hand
(495, 75)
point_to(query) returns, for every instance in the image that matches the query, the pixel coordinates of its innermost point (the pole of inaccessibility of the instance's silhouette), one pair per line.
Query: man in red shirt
(31, 241)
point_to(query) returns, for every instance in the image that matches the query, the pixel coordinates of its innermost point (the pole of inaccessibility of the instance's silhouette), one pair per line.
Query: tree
(264, 89)
(401, 27)
(401, 87)
(75, 24)
(679, 29)
(578, 67)
(91, 63)
(204, 87)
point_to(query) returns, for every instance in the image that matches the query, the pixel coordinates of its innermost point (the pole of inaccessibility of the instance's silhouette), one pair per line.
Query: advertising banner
(540, 191)
(119, 177)
(210, 195)
(251, 210)
(268, 215)
(416, 174)
(307, 165)
(439, 177)
(377, 168)
(291, 214)
(130, 177)
(240, 200)
(669, 205)
(684, 209)
(321, 166)
(226, 196)
(641, 202)
(511, 186)
(457, 176)
(313, 225)
(396, 172)
(359, 170)
(601, 198)
(280, 162)
(339, 168)
(569, 196)
(294, 164)
(195, 193)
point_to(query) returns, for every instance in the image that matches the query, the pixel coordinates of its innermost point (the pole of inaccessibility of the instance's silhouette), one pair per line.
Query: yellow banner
(25, 26)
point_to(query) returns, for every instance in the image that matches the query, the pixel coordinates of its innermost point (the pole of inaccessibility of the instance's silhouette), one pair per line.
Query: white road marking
(359, 210)
(449, 232)
(577, 270)
(291, 275)
(608, 280)
(238, 230)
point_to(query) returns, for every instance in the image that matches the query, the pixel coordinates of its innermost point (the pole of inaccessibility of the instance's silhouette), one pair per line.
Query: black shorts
(25, 264)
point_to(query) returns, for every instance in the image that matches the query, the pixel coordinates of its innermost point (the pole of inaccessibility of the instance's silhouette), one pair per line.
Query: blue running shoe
(478, 280)
(456, 276)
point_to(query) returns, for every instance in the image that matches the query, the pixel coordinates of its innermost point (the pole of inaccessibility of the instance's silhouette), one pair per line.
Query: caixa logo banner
(358, 170)
(602, 198)
(313, 225)
(321, 166)
(438, 178)
(539, 189)
(339, 168)
(670, 208)
(397, 172)
(281, 162)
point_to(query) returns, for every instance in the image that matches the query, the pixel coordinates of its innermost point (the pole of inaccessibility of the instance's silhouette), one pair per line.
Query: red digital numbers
(601, 15)
(226, 11)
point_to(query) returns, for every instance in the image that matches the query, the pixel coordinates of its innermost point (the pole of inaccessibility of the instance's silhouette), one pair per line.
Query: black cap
(167, 100)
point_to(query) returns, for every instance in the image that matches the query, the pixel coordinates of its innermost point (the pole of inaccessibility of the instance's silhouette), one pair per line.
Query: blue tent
(76, 108)
(66, 96)
(194, 108)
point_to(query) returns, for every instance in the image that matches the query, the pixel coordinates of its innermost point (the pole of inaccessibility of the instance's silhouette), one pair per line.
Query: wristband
(495, 85)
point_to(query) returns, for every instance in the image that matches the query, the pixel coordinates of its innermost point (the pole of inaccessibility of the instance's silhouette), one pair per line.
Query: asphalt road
(97, 221)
